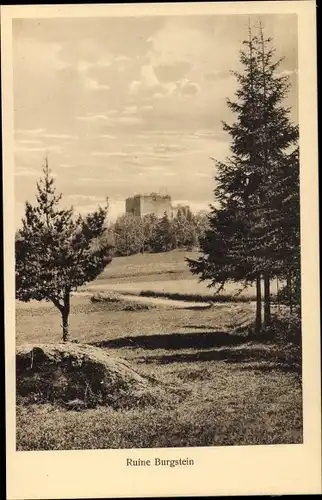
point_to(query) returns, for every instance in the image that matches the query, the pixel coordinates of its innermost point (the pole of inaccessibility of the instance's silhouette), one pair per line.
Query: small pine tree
(57, 252)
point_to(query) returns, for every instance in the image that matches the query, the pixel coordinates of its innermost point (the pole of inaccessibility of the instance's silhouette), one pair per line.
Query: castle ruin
(153, 203)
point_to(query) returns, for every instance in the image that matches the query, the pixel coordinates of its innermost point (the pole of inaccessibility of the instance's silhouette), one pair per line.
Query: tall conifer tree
(257, 184)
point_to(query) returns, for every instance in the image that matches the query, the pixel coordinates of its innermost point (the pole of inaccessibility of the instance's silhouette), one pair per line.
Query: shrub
(286, 328)
(194, 297)
(115, 302)
(106, 297)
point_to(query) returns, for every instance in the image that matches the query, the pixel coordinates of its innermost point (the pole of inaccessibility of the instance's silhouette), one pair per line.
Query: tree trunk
(65, 315)
(289, 288)
(277, 295)
(258, 325)
(267, 301)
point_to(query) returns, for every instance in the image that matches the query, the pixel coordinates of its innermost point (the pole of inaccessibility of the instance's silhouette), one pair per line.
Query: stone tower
(153, 203)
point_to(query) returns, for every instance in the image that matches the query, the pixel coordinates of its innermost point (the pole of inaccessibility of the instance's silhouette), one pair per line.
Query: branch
(74, 269)
(56, 302)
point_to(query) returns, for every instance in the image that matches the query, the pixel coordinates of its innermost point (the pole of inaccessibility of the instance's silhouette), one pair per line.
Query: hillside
(159, 272)
(171, 265)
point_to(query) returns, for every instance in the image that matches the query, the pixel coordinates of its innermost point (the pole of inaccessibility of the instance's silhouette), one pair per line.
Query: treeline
(131, 235)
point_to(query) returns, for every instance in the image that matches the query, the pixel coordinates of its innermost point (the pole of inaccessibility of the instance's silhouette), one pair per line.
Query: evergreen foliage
(57, 252)
(132, 234)
(255, 230)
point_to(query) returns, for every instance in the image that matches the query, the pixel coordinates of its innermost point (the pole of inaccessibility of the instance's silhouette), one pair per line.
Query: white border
(247, 470)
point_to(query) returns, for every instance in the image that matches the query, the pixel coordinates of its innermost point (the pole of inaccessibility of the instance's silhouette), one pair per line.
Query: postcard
(161, 245)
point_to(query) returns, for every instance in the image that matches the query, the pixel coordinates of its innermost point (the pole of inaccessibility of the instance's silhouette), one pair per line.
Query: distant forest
(130, 234)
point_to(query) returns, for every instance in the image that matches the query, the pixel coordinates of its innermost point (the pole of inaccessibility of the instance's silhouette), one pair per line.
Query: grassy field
(230, 390)
(159, 273)
(147, 266)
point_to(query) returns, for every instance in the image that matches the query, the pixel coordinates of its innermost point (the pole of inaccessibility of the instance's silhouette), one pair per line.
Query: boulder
(80, 376)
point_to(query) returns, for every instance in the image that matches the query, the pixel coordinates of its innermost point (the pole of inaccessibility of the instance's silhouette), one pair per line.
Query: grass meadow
(230, 389)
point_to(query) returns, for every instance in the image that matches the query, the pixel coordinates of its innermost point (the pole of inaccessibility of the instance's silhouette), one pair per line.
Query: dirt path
(163, 302)
(168, 303)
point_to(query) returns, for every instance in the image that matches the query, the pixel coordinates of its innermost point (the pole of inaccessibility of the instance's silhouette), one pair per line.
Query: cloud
(210, 134)
(59, 136)
(130, 110)
(25, 149)
(287, 72)
(177, 43)
(203, 174)
(88, 208)
(91, 117)
(112, 120)
(30, 141)
(214, 76)
(92, 180)
(107, 136)
(25, 172)
(37, 58)
(168, 148)
(83, 66)
(104, 63)
(129, 120)
(166, 98)
(157, 82)
(134, 86)
(188, 88)
(149, 83)
(41, 134)
(92, 84)
(147, 107)
(108, 153)
(152, 168)
(158, 153)
(122, 58)
(148, 76)
(148, 79)
(66, 165)
(34, 131)
(172, 72)
(83, 197)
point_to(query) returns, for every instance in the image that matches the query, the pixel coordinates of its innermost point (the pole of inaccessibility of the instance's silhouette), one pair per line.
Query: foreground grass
(231, 391)
(225, 405)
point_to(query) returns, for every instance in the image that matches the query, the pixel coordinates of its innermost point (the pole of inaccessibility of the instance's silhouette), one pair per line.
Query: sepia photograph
(157, 232)
(157, 220)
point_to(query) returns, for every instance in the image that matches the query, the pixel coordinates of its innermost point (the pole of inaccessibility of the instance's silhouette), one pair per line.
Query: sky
(130, 105)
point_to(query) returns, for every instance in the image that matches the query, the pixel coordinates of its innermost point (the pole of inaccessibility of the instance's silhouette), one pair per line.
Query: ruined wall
(133, 206)
(184, 209)
(156, 204)
(140, 205)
